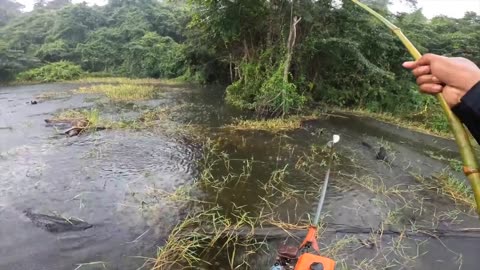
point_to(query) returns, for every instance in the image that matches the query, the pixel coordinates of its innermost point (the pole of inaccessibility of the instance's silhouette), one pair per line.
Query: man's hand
(453, 77)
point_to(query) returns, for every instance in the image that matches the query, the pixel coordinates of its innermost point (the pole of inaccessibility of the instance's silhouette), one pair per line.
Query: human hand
(453, 77)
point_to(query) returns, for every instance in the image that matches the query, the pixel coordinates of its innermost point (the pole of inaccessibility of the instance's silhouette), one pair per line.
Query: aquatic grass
(212, 234)
(206, 234)
(377, 186)
(447, 185)
(91, 116)
(180, 249)
(90, 264)
(337, 248)
(388, 253)
(455, 164)
(403, 121)
(277, 190)
(449, 217)
(164, 119)
(52, 95)
(124, 80)
(122, 92)
(272, 125)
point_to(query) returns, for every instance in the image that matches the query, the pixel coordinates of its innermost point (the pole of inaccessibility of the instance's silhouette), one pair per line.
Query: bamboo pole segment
(470, 164)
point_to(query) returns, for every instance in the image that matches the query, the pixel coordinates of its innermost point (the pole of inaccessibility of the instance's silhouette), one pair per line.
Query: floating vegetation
(214, 231)
(122, 92)
(91, 116)
(455, 164)
(272, 125)
(207, 234)
(123, 80)
(419, 126)
(52, 95)
(210, 232)
(75, 122)
(447, 185)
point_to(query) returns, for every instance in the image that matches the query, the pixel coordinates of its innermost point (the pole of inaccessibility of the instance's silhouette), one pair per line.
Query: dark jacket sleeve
(468, 111)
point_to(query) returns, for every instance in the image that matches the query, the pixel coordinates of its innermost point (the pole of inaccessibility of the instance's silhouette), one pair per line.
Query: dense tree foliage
(276, 55)
(341, 56)
(135, 38)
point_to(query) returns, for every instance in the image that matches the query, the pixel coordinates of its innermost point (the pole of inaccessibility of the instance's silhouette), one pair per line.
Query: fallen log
(72, 127)
(56, 224)
(274, 232)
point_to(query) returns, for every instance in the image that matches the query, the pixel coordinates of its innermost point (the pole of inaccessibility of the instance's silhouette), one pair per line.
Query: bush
(263, 89)
(59, 71)
(242, 93)
(278, 97)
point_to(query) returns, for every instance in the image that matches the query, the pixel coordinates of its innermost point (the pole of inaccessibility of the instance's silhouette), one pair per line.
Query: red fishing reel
(299, 258)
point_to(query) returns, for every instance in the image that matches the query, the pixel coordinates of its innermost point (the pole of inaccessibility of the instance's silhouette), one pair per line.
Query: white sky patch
(29, 3)
(431, 8)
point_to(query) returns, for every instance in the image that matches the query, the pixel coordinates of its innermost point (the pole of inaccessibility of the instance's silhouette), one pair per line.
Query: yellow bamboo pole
(470, 164)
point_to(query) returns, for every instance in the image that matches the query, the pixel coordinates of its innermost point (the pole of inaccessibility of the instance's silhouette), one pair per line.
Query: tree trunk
(246, 54)
(231, 68)
(292, 36)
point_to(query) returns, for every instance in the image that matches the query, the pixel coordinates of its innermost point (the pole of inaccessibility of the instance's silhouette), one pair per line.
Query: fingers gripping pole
(471, 168)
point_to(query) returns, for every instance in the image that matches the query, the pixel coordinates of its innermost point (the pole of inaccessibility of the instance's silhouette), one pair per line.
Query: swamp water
(135, 184)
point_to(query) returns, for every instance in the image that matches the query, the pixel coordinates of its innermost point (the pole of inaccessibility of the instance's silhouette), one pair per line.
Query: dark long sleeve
(468, 111)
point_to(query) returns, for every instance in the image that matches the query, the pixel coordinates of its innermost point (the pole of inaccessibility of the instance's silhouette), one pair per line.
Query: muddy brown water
(104, 178)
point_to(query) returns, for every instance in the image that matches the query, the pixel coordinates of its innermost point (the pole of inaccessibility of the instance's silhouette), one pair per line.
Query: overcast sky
(431, 8)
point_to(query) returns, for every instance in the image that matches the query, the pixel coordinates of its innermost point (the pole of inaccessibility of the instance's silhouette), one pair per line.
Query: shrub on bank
(58, 71)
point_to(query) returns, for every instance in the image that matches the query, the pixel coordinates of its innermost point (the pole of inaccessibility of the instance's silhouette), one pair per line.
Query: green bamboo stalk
(470, 164)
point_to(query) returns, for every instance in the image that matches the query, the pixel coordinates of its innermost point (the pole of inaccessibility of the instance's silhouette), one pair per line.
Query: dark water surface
(105, 179)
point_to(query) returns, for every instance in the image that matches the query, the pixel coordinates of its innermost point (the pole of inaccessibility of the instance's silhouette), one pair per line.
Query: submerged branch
(274, 232)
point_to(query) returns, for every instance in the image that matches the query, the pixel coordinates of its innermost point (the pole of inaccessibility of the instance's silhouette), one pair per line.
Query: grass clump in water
(212, 232)
(92, 119)
(455, 164)
(122, 92)
(92, 116)
(123, 80)
(272, 125)
(402, 121)
(53, 95)
(449, 186)
(207, 234)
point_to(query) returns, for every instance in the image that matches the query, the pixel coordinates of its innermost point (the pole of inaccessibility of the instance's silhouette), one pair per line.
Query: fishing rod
(301, 258)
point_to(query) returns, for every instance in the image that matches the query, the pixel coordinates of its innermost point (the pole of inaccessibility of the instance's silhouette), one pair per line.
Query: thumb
(410, 65)
(427, 59)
